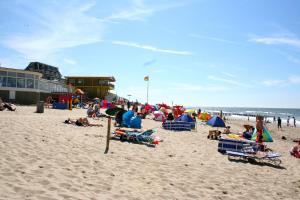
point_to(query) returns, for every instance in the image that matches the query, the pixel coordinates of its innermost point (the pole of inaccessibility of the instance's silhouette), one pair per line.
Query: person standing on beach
(274, 119)
(288, 121)
(259, 128)
(294, 121)
(279, 123)
(128, 105)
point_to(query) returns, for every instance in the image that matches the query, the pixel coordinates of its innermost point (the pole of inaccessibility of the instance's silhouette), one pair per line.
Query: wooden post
(108, 135)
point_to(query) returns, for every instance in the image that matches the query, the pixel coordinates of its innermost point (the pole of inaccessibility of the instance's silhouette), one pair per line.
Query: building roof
(110, 78)
(49, 72)
(20, 71)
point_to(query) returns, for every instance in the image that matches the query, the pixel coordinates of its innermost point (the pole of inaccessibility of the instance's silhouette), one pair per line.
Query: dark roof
(49, 72)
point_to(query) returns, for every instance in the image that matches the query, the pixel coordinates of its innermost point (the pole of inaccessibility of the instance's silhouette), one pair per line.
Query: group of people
(279, 121)
(94, 110)
(83, 121)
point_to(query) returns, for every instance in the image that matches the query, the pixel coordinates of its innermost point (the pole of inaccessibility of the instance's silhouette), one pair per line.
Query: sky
(237, 53)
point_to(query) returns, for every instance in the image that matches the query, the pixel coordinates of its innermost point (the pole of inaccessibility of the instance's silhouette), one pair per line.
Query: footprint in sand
(44, 182)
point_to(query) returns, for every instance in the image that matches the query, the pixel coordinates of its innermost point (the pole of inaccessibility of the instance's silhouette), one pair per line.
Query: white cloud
(149, 62)
(292, 41)
(69, 61)
(184, 87)
(211, 38)
(151, 48)
(139, 11)
(230, 81)
(57, 26)
(294, 79)
(293, 59)
(229, 74)
(273, 82)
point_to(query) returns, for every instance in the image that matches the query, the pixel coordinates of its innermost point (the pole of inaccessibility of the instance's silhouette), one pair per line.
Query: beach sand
(43, 158)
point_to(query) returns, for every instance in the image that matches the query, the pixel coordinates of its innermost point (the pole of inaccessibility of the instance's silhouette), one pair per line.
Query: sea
(283, 113)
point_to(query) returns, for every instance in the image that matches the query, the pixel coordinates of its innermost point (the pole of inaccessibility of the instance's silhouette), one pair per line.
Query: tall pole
(147, 90)
(108, 135)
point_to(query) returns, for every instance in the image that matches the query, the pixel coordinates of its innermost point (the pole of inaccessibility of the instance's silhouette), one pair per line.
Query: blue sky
(196, 52)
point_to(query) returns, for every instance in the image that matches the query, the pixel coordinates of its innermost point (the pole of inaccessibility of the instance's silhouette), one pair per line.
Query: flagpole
(147, 90)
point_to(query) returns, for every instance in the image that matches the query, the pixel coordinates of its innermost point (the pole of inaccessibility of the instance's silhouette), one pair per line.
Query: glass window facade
(30, 81)
(21, 82)
(12, 74)
(11, 82)
(3, 73)
(3, 81)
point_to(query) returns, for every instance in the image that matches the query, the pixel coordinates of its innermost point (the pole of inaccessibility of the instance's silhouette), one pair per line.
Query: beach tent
(135, 122)
(159, 116)
(204, 116)
(216, 121)
(127, 117)
(266, 135)
(185, 118)
(131, 121)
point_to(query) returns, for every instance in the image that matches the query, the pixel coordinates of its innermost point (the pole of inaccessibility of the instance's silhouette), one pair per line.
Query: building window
(12, 94)
(21, 83)
(11, 82)
(72, 82)
(12, 74)
(3, 73)
(29, 83)
(80, 81)
(3, 81)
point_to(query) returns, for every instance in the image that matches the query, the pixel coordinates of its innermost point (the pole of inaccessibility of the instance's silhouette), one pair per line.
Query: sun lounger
(135, 136)
(261, 157)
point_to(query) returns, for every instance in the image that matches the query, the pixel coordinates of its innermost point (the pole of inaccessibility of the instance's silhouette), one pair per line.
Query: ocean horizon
(250, 111)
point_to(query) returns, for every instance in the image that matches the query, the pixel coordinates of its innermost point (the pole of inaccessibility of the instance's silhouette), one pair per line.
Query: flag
(146, 78)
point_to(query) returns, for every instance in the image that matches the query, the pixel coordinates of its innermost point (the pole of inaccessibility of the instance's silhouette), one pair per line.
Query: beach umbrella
(216, 121)
(113, 111)
(189, 111)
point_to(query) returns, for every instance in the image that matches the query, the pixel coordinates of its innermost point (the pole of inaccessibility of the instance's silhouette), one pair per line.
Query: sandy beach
(44, 159)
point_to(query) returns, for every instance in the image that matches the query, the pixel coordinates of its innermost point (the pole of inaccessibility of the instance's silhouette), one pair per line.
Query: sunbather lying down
(83, 121)
(7, 106)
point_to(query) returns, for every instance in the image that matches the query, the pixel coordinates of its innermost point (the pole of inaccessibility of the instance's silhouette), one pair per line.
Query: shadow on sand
(134, 142)
(254, 162)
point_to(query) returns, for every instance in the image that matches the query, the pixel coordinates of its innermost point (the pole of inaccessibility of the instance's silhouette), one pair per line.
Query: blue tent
(216, 121)
(127, 117)
(135, 122)
(185, 118)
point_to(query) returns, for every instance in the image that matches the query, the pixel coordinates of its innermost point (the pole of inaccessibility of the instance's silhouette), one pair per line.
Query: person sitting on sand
(295, 151)
(247, 134)
(227, 130)
(83, 121)
(90, 111)
(170, 117)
